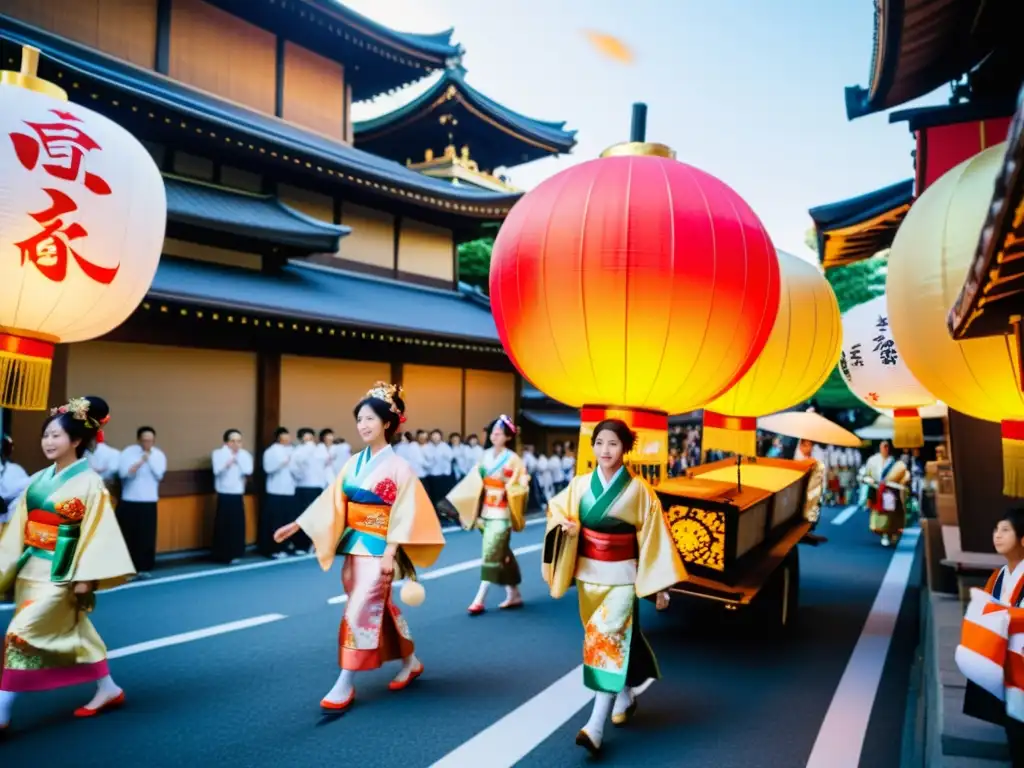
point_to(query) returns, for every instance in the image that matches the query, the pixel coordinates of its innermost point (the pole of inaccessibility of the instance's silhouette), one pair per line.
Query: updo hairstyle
(82, 430)
(510, 433)
(621, 430)
(383, 410)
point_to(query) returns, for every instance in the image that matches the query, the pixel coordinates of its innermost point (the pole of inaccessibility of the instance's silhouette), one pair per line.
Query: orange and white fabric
(991, 650)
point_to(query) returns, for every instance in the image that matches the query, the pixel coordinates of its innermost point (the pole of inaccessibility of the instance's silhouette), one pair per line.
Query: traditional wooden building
(971, 46)
(298, 268)
(856, 229)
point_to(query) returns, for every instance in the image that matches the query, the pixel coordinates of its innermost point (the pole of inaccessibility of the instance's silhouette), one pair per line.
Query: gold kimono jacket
(63, 531)
(623, 551)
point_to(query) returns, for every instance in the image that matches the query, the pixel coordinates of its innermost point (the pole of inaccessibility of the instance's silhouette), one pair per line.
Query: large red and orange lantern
(633, 286)
(82, 218)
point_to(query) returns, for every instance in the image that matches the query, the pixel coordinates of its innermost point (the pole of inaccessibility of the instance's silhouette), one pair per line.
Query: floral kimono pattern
(623, 551)
(493, 498)
(63, 531)
(375, 500)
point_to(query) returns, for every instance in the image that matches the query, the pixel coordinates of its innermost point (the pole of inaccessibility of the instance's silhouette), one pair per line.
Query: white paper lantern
(82, 218)
(875, 372)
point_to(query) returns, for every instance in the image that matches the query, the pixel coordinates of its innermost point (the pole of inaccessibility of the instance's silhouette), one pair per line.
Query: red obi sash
(42, 528)
(608, 547)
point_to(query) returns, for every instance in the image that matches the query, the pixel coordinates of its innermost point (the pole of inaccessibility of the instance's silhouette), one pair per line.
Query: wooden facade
(190, 373)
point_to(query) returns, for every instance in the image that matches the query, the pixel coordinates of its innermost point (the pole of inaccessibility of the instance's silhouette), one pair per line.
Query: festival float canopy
(798, 357)
(874, 370)
(928, 263)
(82, 217)
(633, 286)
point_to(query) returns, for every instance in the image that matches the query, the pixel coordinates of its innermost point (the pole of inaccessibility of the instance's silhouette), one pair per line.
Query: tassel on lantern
(907, 428)
(732, 434)
(24, 372)
(1013, 458)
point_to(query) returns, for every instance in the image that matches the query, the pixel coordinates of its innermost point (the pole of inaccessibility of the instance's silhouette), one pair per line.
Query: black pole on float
(638, 130)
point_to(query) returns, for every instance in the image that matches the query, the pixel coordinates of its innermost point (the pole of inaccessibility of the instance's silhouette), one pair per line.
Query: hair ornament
(387, 392)
(78, 407)
(508, 423)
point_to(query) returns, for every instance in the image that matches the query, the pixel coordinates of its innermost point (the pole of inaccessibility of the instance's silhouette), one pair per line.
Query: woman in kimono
(606, 532)
(887, 479)
(377, 514)
(492, 497)
(62, 545)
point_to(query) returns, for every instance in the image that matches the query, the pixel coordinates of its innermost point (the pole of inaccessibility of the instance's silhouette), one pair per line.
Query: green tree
(853, 284)
(475, 262)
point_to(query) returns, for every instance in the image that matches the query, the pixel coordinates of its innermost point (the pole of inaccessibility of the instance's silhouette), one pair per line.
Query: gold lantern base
(649, 457)
(24, 372)
(907, 428)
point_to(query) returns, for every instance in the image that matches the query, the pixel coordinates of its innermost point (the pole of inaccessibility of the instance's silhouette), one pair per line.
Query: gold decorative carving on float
(699, 535)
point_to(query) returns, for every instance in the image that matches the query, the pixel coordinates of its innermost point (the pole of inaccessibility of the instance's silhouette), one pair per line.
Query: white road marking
(447, 570)
(228, 569)
(198, 634)
(846, 514)
(841, 738)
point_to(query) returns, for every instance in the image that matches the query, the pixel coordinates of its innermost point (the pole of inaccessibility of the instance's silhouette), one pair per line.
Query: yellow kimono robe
(375, 500)
(893, 474)
(63, 531)
(493, 497)
(623, 551)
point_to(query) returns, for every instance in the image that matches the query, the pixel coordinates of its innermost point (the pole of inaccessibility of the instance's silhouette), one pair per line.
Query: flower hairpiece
(78, 407)
(508, 423)
(387, 392)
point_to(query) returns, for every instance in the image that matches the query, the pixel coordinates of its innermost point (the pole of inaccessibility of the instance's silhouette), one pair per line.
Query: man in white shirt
(13, 480)
(232, 466)
(279, 500)
(104, 460)
(474, 451)
(142, 467)
(341, 452)
(309, 465)
(439, 467)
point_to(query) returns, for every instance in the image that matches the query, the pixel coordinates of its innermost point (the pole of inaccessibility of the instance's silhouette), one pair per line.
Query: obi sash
(366, 529)
(607, 547)
(494, 493)
(53, 538)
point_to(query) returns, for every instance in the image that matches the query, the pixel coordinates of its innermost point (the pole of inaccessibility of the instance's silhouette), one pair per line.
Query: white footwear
(592, 734)
(624, 708)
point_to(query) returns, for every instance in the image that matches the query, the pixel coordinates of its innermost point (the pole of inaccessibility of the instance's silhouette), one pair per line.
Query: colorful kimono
(373, 502)
(623, 551)
(492, 497)
(889, 480)
(63, 531)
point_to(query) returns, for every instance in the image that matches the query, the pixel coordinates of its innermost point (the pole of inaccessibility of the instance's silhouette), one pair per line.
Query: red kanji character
(64, 143)
(49, 249)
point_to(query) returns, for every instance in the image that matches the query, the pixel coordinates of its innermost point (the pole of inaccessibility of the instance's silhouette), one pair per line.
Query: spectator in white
(279, 500)
(569, 462)
(426, 450)
(416, 455)
(341, 452)
(465, 457)
(13, 480)
(547, 487)
(142, 467)
(309, 464)
(403, 446)
(232, 466)
(535, 500)
(325, 449)
(555, 467)
(458, 451)
(439, 468)
(104, 460)
(475, 451)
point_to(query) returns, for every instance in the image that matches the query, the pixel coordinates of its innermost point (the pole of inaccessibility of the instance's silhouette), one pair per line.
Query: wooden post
(268, 408)
(977, 459)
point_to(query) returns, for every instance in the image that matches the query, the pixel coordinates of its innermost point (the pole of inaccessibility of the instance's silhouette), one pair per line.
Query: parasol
(807, 425)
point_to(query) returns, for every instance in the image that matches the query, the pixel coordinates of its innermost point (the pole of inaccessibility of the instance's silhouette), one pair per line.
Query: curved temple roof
(267, 137)
(921, 45)
(858, 228)
(377, 59)
(453, 112)
(993, 291)
(261, 218)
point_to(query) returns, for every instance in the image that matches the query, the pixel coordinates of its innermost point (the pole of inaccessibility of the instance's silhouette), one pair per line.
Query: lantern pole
(638, 144)
(29, 80)
(638, 129)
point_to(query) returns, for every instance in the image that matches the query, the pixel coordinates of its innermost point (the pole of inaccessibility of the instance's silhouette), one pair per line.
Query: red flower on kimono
(509, 472)
(72, 509)
(386, 490)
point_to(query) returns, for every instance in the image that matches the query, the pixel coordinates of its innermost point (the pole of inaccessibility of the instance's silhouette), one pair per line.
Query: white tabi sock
(599, 716)
(512, 594)
(106, 690)
(409, 663)
(6, 702)
(481, 593)
(623, 700)
(342, 688)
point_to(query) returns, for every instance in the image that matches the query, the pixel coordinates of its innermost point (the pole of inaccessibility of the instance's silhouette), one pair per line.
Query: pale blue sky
(748, 90)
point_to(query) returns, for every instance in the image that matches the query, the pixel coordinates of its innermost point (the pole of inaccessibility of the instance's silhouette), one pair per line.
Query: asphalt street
(226, 667)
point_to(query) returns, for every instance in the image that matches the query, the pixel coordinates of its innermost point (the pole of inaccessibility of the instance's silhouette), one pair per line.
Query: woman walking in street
(62, 545)
(377, 515)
